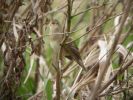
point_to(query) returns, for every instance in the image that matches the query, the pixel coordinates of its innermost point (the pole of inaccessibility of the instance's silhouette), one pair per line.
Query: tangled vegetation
(66, 49)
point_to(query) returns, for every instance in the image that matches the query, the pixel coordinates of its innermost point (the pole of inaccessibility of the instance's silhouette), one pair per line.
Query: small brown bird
(70, 50)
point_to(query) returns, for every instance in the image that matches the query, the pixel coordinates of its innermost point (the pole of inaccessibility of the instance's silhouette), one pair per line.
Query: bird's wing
(73, 52)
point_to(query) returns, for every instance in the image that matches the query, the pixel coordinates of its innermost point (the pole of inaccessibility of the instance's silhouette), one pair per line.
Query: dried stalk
(117, 34)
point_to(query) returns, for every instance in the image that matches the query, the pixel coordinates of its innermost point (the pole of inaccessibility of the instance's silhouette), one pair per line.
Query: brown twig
(117, 34)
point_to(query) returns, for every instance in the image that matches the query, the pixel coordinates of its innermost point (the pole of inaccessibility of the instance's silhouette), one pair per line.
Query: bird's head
(55, 26)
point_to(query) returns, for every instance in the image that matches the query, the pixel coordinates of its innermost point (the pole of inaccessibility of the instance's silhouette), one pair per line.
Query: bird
(70, 50)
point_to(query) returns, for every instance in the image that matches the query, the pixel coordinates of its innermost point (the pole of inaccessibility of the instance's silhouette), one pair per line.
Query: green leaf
(109, 98)
(49, 89)
(120, 77)
(26, 90)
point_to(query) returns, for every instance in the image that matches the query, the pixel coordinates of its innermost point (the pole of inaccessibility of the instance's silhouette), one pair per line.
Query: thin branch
(116, 92)
(117, 73)
(95, 7)
(87, 32)
(117, 34)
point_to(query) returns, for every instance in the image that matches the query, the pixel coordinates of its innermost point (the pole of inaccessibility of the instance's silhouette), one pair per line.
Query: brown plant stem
(120, 71)
(113, 42)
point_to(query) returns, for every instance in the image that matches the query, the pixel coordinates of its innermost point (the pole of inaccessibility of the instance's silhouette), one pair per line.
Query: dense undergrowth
(66, 49)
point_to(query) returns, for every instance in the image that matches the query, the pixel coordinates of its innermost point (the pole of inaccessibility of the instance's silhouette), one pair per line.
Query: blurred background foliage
(32, 75)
